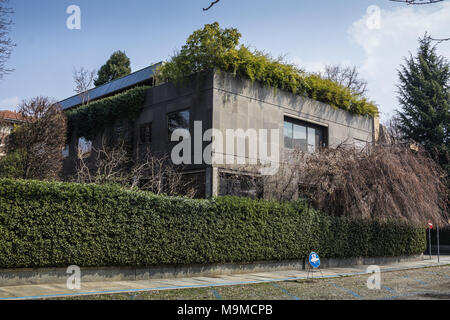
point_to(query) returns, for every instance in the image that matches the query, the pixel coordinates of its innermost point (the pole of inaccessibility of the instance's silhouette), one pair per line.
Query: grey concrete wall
(239, 103)
(222, 102)
(194, 93)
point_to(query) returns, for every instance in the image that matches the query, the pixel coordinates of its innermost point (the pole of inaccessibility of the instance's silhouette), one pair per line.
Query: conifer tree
(424, 95)
(117, 66)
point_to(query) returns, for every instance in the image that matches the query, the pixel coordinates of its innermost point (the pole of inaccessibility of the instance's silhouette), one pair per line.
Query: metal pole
(438, 243)
(429, 241)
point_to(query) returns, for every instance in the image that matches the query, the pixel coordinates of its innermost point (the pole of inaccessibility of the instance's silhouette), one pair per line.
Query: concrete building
(217, 100)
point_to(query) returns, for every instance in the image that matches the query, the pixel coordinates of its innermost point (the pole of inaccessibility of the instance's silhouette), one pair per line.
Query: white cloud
(10, 103)
(310, 66)
(386, 46)
(317, 66)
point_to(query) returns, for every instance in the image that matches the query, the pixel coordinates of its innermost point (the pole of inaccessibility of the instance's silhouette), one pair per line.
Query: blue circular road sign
(314, 260)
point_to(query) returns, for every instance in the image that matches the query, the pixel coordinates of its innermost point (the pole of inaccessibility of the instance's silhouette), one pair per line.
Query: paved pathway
(39, 291)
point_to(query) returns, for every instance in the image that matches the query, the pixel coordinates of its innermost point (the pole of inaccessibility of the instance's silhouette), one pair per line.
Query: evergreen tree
(117, 66)
(424, 94)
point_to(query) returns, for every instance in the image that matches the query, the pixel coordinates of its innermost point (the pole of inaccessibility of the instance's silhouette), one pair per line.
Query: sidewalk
(39, 291)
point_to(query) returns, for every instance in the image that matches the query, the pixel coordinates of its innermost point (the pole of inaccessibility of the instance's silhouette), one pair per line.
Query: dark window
(178, 120)
(304, 136)
(145, 133)
(241, 185)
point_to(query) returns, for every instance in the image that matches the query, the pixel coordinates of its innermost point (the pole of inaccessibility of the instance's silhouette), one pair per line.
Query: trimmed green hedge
(45, 224)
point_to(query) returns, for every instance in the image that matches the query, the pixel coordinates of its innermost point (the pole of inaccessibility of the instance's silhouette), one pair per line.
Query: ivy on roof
(214, 47)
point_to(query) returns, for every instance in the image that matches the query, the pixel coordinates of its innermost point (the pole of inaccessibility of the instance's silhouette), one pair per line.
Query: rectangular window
(288, 131)
(84, 146)
(178, 120)
(145, 133)
(312, 140)
(300, 136)
(304, 136)
(65, 152)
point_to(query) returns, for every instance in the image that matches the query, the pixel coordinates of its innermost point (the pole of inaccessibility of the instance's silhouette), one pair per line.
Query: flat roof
(113, 86)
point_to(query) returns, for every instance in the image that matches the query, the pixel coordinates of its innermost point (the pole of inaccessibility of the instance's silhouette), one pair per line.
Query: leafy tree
(424, 94)
(204, 49)
(116, 67)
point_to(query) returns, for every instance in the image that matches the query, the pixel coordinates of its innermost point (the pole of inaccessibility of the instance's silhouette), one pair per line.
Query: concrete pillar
(215, 182)
(212, 182)
(376, 129)
(208, 183)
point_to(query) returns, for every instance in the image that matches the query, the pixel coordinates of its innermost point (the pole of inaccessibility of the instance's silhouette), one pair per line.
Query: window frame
(86, 145)
(169, 133)
(309, 126)
(148, 136)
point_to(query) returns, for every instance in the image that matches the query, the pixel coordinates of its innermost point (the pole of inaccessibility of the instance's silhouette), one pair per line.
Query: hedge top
(53, 224)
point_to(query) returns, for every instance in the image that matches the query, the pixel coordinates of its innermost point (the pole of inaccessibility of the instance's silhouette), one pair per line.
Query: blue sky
(309, 33)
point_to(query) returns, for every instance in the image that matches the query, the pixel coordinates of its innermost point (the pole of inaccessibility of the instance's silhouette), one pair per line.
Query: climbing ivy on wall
(95, 116)
(214, 47)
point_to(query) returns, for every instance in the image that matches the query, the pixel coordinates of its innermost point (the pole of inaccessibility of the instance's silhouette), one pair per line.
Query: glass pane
(142, 134)
(319, 139)
(288, 135)
(300, 137)
(178, 120)
(312, 140)
(84, 145)
(65, 152)
(146, 133)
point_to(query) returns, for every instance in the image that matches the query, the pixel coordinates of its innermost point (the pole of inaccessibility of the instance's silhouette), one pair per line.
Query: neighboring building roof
(11, 116)
(115, 86)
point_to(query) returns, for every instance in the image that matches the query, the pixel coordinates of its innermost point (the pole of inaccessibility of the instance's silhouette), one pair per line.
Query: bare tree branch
(84, 79)
(211, 5)
(419, 2)
(6, 44)
(347, 77)
(416, 2)
(39, 139)
(382, 182)
(114, 165)
(440, 40)
(389, 180)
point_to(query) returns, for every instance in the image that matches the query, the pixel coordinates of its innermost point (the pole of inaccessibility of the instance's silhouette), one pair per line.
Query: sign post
(438, 244)
(314, 262)
(430, 226)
